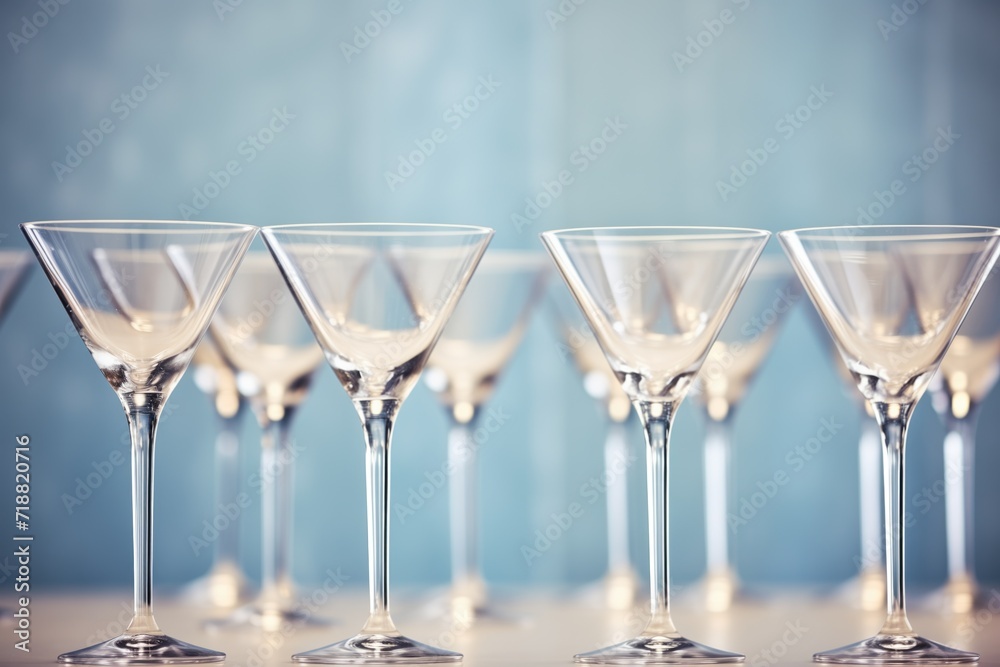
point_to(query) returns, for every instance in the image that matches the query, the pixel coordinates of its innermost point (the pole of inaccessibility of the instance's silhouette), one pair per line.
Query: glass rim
(387, 229)
(138, 226)
(687, 232)
(891, 232)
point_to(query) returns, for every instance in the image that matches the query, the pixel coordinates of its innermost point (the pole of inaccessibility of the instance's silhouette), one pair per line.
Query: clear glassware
(477, 343)
(259, 330)
(892, 299)
(377, 296)
(141, 294)
(225, 584)
(967, 374)
(656, 298)
(867, 589)
(619, 587)
(727, 374)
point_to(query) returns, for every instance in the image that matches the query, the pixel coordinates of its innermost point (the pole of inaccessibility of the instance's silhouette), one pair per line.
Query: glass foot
(865, 591)
(223, 587)
(659, 650)
(378, 649)
(268, 619)
(897, 650)
(716, 591)
(961, 595)
(465, 615)
(142, 650)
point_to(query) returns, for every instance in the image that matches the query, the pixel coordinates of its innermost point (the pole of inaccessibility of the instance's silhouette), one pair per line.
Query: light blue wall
(558, 83)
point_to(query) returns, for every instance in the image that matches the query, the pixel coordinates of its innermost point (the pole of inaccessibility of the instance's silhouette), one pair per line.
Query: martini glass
(480, 338)
(377, 296)
(656, 298)
(260, 331)
(141, 294)
(867, 589)
(737, 354)
(967, 374)
(892, 299)
(619, 587)
(225, 585)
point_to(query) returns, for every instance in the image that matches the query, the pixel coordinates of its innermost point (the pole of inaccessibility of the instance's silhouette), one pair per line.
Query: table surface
(785, 628)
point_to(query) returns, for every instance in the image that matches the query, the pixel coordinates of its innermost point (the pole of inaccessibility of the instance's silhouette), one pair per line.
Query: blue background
(686, 125)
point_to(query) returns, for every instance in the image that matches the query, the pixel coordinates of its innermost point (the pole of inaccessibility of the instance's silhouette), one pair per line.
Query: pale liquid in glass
(971, 367)
(465, 372)
(728, 371)
(144, 351)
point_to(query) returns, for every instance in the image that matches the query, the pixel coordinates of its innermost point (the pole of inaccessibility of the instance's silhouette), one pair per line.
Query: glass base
(617, 591)
(268, 619)
(142, 650)
(961, 595)
(377, 649)
(865, 591)
(716, 591)
(223, 587)
(897, 650)
(464, 614)
(658, 651)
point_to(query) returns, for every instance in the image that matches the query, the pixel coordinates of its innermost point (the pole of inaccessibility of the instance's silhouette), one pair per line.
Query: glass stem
(276, 469)
(463, 511)
(959, 450)
(656, 420)
(616, 470)
(227, 447)
(377, 416)
(718, 444)
(868, 479)
(143, 412)
(893, 420)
